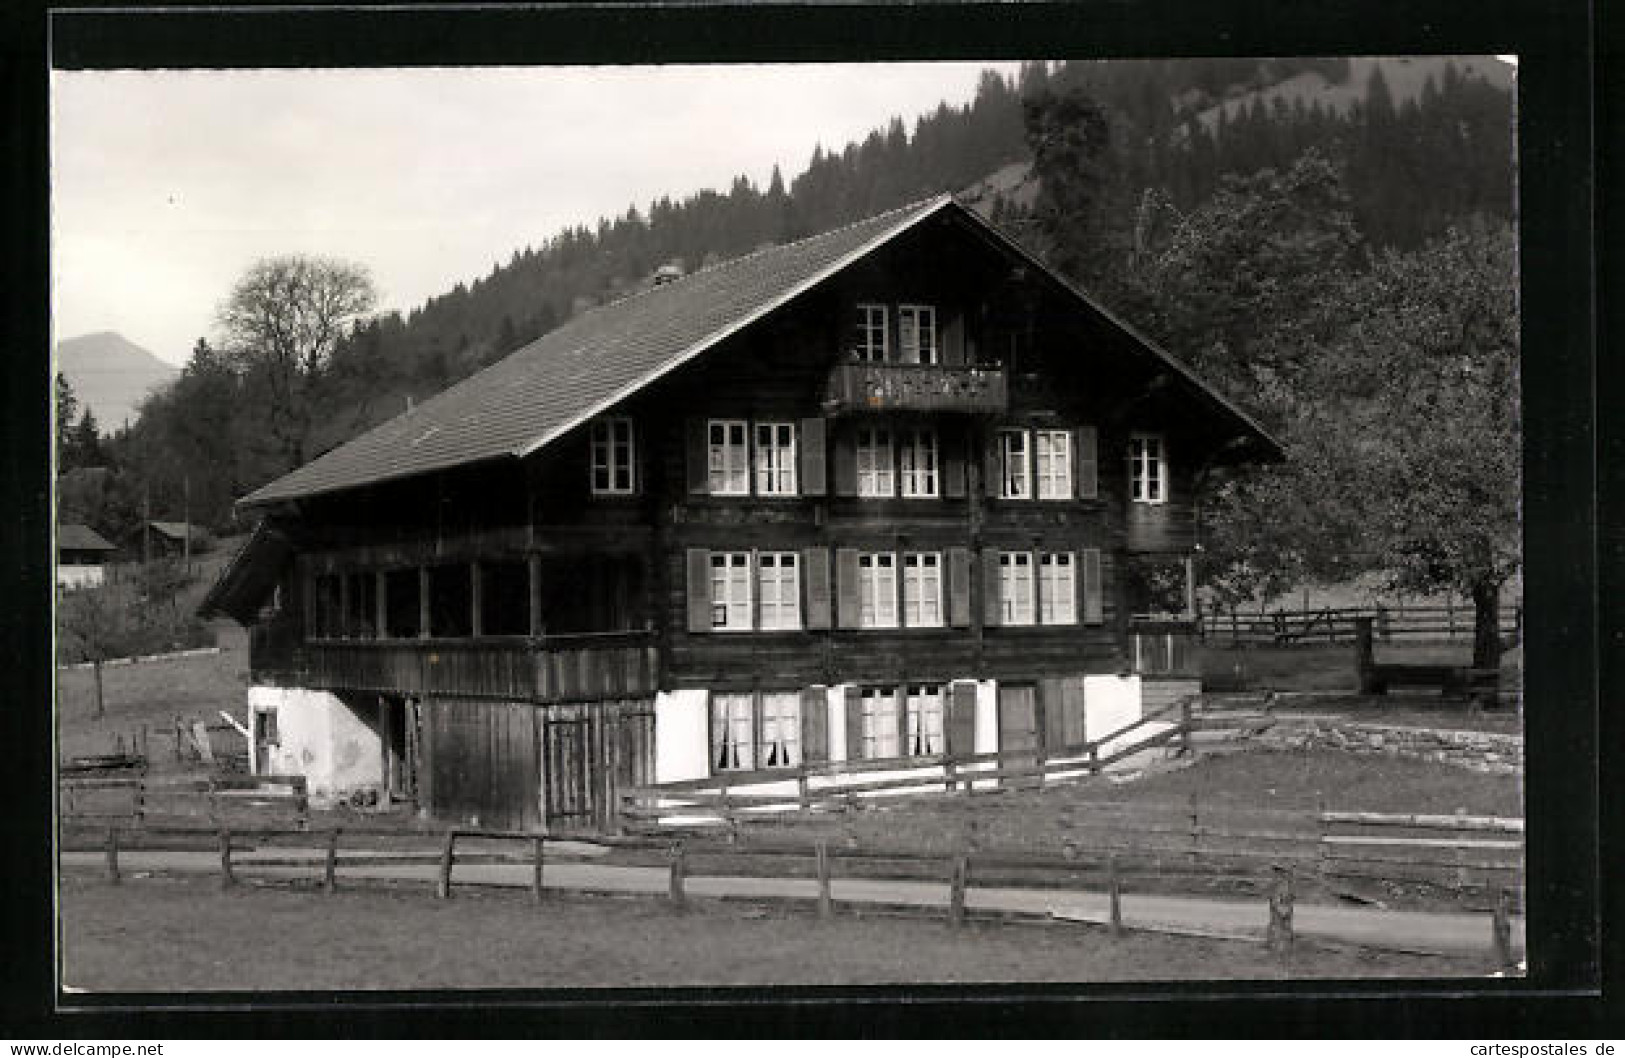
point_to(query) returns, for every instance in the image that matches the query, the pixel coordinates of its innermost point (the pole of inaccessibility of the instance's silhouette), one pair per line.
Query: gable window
(917, 454)
(775, 459)
(1053, 452)
(1015, 482)
(879, 718)
(1148, 468)
(922, 721)
(1016, 587)
(869, 337)
(917, 334)
(730, 591)
(875, 476)
(778, 589)
(612, 456)
(877, 589)
(922, 589)
(1057, 588)
(729, 458)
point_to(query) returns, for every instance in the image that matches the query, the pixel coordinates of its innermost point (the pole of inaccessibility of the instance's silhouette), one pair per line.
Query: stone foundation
(1480, 751)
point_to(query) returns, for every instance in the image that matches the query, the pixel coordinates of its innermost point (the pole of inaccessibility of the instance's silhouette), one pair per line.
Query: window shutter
(814, 725)
(962, 719)
(959, 587)
(846, 586)
(992, 611)
(699, 589)
(810, 449)
(1094, 611)
(846, 462)
(854, 723)
(699, 462)
(953, 467)
(991, 470)
(1052, 704)
(815, 572)
(1087, 471)
(953, 340)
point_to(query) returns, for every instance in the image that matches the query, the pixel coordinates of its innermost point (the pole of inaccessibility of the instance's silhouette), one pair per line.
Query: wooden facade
(532, 609)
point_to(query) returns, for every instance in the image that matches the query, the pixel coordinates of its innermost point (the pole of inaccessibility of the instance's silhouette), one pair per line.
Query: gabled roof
(594, 361)
(177, 530)
(72, 537)
(570, 374)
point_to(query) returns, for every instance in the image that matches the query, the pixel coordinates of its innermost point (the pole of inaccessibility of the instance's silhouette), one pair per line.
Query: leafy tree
(283, 320)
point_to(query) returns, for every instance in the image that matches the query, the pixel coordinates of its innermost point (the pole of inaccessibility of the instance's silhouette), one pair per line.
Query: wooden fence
(220, 800)
(1336, 625)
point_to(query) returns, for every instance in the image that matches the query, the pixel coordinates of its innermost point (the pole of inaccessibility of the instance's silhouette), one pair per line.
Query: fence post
(443, 886)
(1501, 927)
(536, 871)
(226, 878)
(1280, 928)
(1114, 892)
(1364, 656)
(330, 871)
(112, 855)
(956, 890)
(1185, 725)
(801, 790)
(825, 905)
(1195, 835)
(679, 869)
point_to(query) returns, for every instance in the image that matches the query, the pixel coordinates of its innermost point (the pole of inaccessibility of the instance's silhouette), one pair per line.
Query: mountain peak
(111, 375)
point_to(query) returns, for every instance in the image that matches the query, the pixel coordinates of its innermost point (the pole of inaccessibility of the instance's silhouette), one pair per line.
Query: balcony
(885, 387)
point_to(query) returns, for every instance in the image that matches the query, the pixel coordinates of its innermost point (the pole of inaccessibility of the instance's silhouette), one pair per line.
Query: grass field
(1330, 666)
(173, 935)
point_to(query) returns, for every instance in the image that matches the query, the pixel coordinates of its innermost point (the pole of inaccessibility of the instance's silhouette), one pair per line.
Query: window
(329, 606)
(922, 590)
(917, 452)
(504, 598)
(1016, 587)
(733, 723)
(1058, 588)
(922, 721)
(877, 590)
(451, 600)
(729, 458)
(917, 334)
(775, 459)
(879, 734)
(1053, 449)
(1147, 469)
(781, 730)
(361, 619)
(402, 605)
(612, 457)
(869, 339)
(1014, 482)
(778, 589)
(730, 591)
(875, 462)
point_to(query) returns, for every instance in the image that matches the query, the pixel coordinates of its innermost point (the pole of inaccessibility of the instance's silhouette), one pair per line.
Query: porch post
(534, 564)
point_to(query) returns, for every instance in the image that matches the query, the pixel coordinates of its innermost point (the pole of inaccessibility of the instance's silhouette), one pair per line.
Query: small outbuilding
(81, 556)
(168, 539)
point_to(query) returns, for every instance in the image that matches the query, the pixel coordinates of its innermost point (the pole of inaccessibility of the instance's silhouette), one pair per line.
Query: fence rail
(1336, 624)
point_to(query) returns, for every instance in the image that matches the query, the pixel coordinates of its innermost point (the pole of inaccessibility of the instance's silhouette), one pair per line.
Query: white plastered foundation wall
(320, 737)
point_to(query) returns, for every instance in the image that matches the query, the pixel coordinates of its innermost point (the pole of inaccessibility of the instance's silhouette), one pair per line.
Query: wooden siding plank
(1087, 472)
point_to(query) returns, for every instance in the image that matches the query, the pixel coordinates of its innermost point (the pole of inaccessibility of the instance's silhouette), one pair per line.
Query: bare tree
(282, 322)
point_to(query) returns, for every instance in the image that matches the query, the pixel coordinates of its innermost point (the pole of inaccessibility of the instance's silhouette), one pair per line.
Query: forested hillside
(1130, 150)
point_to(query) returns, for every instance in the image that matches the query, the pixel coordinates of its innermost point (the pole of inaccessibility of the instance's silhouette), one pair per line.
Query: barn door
(567, 770)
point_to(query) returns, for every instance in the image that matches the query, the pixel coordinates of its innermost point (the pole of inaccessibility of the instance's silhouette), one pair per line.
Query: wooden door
(567, 770)
(1018, 718)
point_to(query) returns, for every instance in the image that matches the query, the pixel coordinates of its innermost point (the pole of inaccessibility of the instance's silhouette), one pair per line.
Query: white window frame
(877, 477)
(778, 744)
(1052, 454)
(1058, 588)
(774, 458)
(922, 721)
(872, 321)
(877, 589)
(919, 464)
(778, 590)
(613, 455)
(728, 461)
(1016, 588)
(915, 322)
(878, 737)
(731, 591)
(922, 589)
(1148, 468)
(1015, 475)
(733, 732)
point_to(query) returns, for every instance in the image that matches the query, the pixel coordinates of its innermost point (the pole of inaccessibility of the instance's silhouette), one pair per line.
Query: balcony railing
(882, 387)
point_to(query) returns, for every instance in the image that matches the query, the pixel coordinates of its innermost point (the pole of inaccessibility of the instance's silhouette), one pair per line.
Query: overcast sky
(166, 185)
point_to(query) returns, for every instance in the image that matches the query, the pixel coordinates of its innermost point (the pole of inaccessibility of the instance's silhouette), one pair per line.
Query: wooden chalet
(81, 556)
(890, 491)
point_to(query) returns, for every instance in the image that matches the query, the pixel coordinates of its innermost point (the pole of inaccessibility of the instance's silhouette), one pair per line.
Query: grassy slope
(188, 935)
